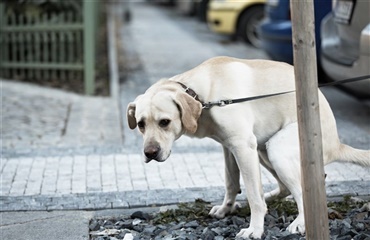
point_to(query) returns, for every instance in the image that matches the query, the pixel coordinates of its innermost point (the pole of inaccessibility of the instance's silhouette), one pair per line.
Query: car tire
(249, 21)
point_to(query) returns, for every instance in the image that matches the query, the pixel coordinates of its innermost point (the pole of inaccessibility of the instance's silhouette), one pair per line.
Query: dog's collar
(190, 91)
(205, 105)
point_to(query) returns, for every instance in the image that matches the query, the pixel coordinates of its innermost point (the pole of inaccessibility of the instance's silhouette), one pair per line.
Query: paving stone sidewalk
(124, 180)
(44, 121)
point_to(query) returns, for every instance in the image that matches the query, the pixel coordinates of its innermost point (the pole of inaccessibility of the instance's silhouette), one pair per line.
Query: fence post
(112, 54)
(89, 46)
(313, 179)
(2, 36)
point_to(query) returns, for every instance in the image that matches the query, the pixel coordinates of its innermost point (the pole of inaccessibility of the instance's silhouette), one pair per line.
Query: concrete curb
(148, 198)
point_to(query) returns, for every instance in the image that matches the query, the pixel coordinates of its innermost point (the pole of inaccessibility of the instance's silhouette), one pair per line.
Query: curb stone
(147, 198)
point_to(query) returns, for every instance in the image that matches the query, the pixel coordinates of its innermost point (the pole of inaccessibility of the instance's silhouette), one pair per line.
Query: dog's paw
(297, 226)
(249, 233)
(220, 211)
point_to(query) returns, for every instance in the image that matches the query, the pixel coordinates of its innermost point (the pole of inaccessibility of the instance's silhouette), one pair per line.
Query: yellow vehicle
(236, 17)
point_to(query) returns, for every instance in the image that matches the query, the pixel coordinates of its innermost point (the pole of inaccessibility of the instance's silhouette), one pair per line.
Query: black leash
(345, 81)
(221, 103)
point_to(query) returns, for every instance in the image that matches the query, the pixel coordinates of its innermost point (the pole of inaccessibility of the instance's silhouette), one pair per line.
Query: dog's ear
(131, 115)
(190, 111)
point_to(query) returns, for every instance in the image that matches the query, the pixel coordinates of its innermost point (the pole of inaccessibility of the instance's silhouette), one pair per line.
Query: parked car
(186, 7)
(235, 17)
(345, 44)
(201, 10)
(275, 31)
(193, 7)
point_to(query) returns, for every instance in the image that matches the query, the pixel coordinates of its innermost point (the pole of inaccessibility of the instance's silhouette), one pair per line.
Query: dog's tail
(353, 155)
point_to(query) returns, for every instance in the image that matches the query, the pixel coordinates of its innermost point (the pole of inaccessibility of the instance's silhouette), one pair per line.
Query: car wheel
(249, 22)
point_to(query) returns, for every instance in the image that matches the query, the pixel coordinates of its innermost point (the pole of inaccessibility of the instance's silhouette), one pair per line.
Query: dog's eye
(164, 122)
(141, 124)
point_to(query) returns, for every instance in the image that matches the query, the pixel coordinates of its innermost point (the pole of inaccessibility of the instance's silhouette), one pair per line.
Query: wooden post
(313, 179)
(89, 46)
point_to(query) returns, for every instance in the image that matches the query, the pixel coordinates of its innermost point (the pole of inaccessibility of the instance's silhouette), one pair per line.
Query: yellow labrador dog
(260, 131)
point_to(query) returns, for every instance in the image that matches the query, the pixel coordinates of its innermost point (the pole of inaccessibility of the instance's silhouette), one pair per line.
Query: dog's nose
(152, 152)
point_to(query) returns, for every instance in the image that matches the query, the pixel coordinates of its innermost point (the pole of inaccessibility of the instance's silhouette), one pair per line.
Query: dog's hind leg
(232, 180)
(281, 191)
(284, 155)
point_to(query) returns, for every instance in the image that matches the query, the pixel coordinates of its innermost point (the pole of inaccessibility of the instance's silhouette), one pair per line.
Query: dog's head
(162, 115)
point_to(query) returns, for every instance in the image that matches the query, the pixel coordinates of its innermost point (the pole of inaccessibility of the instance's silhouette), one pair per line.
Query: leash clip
(220, 103)
(206, 105)
(223, 103)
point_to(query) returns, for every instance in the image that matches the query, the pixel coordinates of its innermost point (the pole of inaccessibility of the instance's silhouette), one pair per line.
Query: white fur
(262, 131)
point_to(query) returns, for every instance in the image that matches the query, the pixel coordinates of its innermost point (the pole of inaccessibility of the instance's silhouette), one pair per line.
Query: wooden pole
(313, 179)
(89, 46)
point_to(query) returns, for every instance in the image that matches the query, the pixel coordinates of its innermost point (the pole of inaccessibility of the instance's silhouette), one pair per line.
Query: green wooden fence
(55, 40)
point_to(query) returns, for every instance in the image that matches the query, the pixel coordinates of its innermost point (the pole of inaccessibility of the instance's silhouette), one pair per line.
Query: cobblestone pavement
(44, 121)
(124, 180)
(65, 151)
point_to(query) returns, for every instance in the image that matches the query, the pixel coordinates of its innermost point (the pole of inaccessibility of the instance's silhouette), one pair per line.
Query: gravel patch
(348, 219)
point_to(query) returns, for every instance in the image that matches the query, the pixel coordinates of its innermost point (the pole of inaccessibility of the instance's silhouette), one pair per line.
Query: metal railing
(54, 40)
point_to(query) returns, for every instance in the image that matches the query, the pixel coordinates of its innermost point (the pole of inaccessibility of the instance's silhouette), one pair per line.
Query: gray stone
(238, 220)
(360, 226)
(217, 230)
(177, 226)
(362, 236)
(345, 237)
(219, 238)
(192, 224)
(125, 224)
(94, 225)
(208, 235)
(149, 229)
(140, 215)
(291, 237)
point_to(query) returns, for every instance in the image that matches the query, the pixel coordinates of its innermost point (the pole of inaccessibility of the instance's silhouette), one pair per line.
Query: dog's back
(232, 78)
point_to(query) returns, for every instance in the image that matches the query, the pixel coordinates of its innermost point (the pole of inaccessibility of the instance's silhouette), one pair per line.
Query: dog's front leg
(232, 176)
(245, 152)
